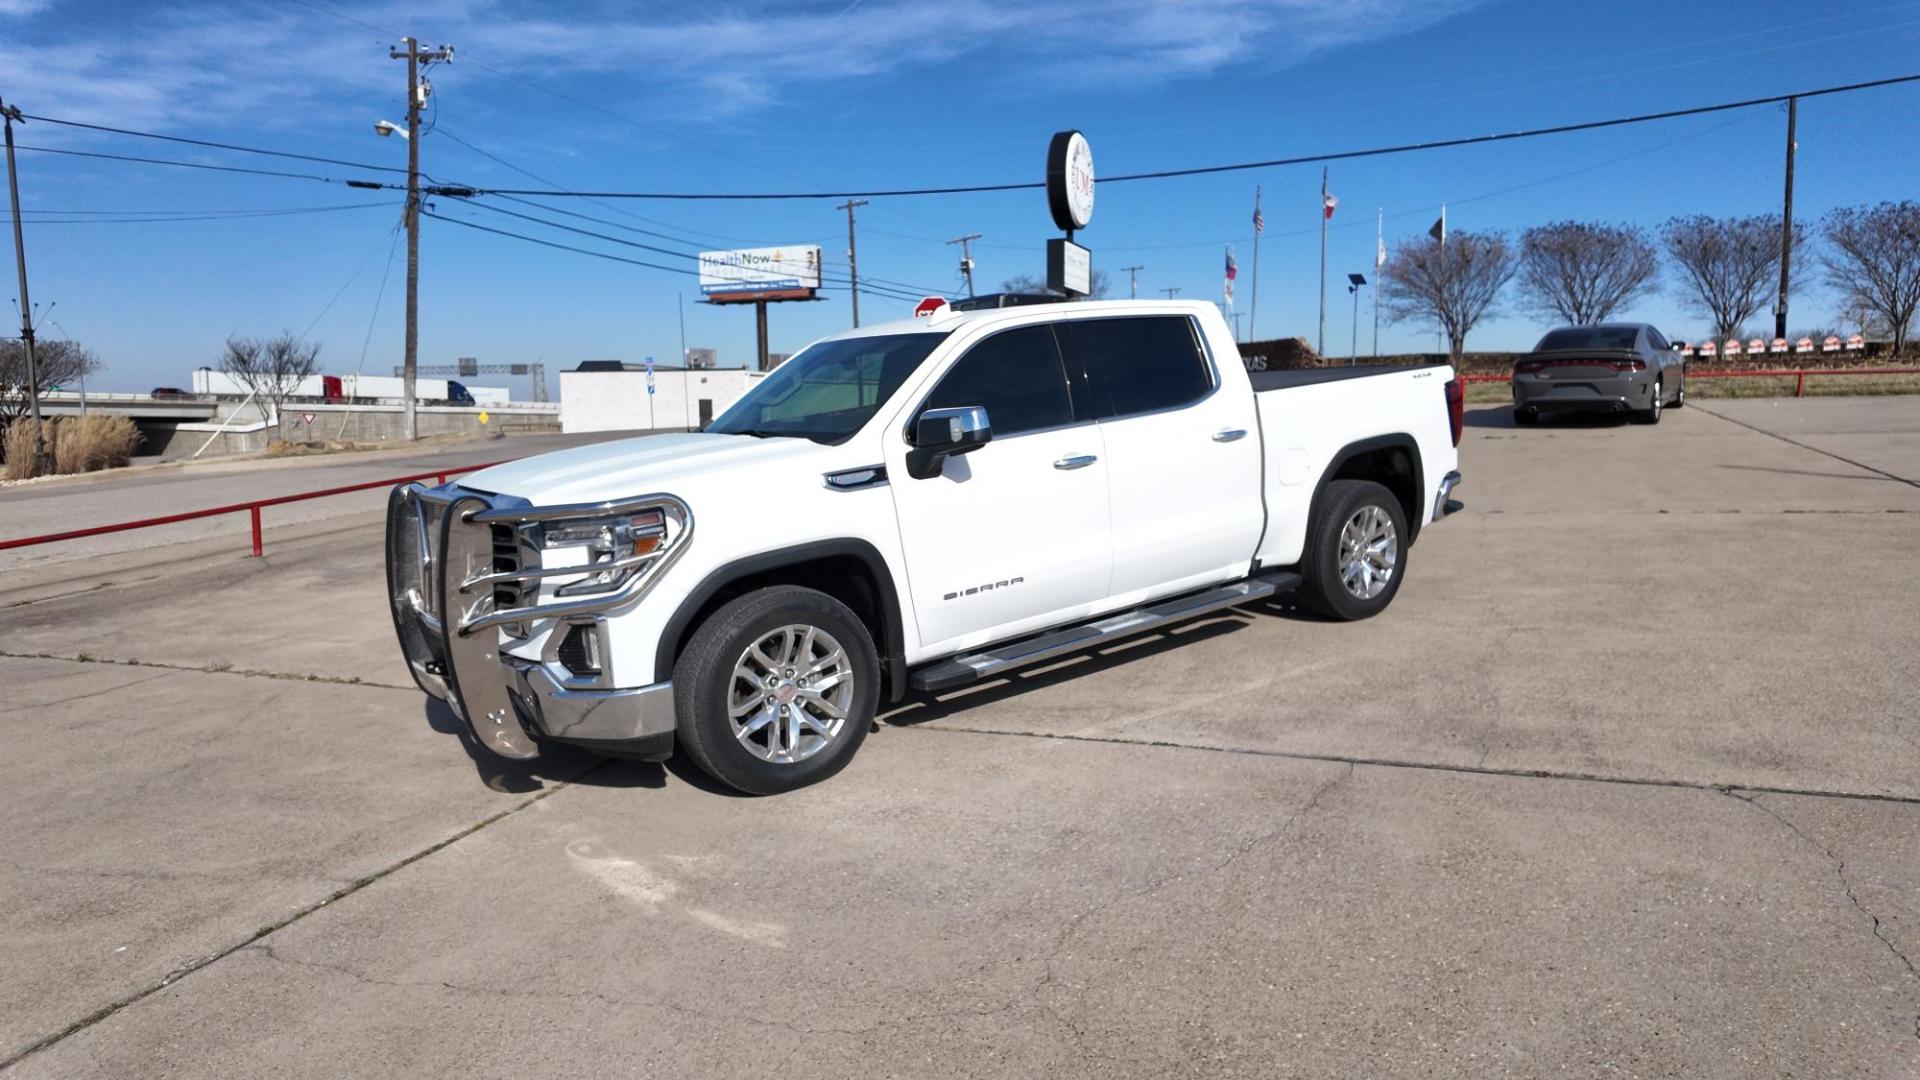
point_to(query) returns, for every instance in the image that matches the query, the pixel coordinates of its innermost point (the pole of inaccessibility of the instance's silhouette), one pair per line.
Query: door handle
(1076, 461)
(1233, 434)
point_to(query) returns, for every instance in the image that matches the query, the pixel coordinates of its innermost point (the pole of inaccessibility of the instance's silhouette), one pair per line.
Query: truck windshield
(828, 390)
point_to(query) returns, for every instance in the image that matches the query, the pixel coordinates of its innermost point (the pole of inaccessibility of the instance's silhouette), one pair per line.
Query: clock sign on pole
(1070, 198)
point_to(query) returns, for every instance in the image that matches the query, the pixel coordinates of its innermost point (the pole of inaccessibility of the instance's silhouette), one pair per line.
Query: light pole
(1354, 284)
(418, 60)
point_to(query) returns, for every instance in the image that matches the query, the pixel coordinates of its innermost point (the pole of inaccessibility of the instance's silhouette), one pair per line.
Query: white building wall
(617, 400)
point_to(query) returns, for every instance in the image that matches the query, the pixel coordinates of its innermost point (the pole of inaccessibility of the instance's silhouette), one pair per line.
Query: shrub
(74, 443)
(91, 443)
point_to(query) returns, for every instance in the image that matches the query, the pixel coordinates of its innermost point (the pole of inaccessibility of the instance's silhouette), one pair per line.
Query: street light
(384, 128)
(1354, 283)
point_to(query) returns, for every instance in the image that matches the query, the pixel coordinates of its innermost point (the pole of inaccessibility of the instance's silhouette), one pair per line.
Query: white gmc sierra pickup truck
(918, 504)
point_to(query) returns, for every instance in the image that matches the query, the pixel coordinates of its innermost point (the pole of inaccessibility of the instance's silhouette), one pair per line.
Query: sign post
(649, 393)
(1070, 198)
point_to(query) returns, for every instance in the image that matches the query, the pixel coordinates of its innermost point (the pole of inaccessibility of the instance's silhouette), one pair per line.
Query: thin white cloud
(181, 67)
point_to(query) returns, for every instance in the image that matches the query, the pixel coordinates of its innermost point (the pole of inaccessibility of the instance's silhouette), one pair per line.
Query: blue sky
(809, 96)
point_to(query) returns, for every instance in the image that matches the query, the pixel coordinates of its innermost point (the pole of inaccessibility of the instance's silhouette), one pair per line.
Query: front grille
(506, 560)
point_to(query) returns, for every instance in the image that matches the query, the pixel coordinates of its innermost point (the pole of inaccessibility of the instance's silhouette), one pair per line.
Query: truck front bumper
(461, 566)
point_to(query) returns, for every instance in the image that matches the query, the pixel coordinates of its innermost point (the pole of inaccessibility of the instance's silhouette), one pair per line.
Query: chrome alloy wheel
(1369, 548)
(790, 694)
(1659, 391)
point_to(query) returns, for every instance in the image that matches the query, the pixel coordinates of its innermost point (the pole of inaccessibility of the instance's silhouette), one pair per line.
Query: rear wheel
(776, 690)
(1680, 395)
(1356, 551)
(1651, 414)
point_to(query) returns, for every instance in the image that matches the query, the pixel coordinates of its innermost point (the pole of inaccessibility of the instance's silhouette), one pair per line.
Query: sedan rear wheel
(1651, 414)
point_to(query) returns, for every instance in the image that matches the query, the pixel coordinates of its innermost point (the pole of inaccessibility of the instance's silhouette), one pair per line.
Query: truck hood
(642, 466)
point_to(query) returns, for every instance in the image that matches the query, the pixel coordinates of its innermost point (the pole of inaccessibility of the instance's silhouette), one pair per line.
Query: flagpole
(1320, 344)
(1253, 302)
(1379, 264)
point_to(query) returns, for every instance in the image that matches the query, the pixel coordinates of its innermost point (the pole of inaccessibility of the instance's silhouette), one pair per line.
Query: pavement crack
(70, 698)
(191, 966)
(1807, 447)
(1846, 884)
(1508, 772)
(204, 669)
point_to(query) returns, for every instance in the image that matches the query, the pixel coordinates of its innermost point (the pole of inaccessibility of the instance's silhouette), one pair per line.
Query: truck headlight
(615, 548)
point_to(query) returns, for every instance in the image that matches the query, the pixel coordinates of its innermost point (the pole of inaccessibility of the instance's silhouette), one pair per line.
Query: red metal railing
(1798, 375)
(252, 509)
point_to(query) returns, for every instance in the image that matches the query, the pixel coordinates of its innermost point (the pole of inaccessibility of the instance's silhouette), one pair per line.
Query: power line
(602, 254)
(235, 147)
(28, 217)
(371, 185)
(1207, 170)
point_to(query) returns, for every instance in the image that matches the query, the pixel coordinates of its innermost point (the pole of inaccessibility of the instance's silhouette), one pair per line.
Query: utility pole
(1171, 291)
(11, 116)
(853, 261)
(966, 257)
(680, 302)
(1786, 226)
(418, 59)
(1133, 281)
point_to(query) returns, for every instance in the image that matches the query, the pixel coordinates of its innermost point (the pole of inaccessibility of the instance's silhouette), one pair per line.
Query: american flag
(1259, 223)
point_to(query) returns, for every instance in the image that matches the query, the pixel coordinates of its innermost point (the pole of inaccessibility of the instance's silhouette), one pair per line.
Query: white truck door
(1013, 536)
(1183, 450)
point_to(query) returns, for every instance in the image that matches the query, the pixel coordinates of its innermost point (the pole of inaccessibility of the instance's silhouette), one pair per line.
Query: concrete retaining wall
(357, 424)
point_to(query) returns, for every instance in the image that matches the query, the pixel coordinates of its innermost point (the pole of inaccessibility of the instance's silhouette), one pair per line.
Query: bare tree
(1449, 286)
(271, 370)
(1873, 259)
(1728, 266)
(1582, 273)
(58, 362)
(1027, 283)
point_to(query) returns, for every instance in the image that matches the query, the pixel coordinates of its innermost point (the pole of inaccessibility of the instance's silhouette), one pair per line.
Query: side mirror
(943, 433)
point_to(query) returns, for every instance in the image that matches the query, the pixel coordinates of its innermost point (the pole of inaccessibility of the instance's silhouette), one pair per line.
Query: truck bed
(1281, 380)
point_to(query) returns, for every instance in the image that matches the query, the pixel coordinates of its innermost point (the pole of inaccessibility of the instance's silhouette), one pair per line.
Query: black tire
(1323, 590)
(1525, 417)
(1680, 396)
(703, 682)
(1651, 415)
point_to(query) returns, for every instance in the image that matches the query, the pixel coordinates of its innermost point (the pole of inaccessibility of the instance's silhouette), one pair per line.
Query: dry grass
(1493, 393)
(76, 444)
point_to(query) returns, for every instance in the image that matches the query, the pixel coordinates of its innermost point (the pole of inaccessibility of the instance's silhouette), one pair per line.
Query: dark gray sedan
(1614, 367)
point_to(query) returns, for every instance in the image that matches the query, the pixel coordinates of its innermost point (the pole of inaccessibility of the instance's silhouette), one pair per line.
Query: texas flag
(1233, 271)
(1328, 202)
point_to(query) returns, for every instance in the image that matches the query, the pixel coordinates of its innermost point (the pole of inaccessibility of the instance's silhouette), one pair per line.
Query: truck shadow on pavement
(557, 763)
(920, 707)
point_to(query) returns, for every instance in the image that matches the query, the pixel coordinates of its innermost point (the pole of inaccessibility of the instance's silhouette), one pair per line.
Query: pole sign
(649, 376)
(1070, 198)
(1070, 180)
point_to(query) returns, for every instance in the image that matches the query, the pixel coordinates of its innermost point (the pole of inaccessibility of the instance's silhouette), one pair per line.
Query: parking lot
(1627, 782)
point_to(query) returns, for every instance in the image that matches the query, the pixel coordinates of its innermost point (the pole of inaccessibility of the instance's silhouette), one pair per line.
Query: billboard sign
(757, 272)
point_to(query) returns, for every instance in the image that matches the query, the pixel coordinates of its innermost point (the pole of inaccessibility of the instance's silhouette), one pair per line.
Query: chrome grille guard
(442, 575)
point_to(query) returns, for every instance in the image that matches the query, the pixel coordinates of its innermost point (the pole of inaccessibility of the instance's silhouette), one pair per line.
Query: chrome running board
(998, 660)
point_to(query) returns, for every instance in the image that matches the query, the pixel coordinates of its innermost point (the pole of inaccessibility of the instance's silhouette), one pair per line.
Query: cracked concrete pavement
(1622, 785)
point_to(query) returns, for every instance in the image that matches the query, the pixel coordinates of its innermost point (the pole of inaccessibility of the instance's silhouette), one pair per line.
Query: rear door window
(1138, 364)
(1017, 375)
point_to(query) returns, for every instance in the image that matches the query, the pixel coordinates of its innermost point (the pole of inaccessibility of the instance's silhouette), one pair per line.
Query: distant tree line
(1726, 269)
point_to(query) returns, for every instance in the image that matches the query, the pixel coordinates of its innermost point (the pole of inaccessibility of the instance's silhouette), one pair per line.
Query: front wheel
(1356, 551)
(776, 690)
